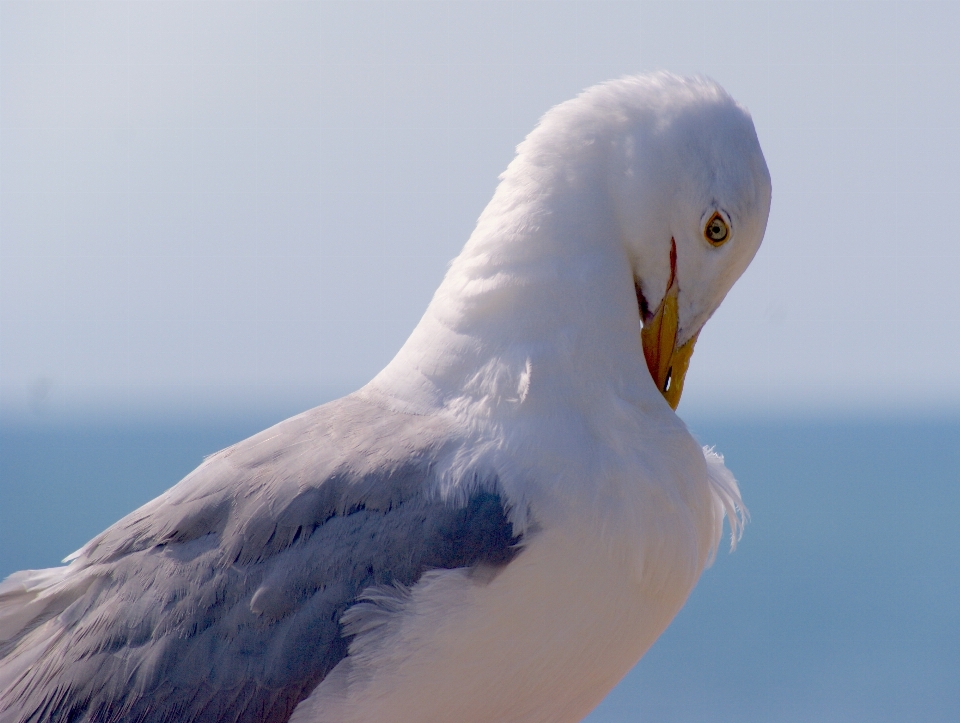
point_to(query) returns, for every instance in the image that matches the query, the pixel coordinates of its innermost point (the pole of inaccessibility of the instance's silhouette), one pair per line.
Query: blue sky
(209, 206)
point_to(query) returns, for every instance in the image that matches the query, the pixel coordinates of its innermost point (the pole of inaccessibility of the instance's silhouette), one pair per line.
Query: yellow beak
(667, 362)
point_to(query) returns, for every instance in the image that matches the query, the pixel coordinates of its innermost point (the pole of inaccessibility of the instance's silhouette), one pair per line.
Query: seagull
(496, 527)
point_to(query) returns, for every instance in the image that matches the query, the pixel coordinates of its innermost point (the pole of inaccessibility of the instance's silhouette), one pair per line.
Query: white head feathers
(581, 228)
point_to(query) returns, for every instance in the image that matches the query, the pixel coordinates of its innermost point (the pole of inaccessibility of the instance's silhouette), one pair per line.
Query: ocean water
(841, 603)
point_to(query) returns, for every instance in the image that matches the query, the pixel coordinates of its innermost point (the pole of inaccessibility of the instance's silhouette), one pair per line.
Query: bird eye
(716, 231)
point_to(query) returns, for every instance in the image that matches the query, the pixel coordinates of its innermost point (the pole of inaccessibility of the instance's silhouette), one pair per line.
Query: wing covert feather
(221, 599)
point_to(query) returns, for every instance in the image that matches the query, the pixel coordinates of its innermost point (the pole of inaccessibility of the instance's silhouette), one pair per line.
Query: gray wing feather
(222, 599)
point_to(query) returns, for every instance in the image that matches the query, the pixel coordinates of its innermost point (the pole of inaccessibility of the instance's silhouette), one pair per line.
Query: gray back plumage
(221, 599)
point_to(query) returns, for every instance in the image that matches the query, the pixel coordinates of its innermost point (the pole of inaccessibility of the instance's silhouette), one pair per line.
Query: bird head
(655, 176)
(692, 194)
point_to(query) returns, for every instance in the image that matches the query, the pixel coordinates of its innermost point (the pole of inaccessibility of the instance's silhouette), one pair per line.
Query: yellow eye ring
(716, 232)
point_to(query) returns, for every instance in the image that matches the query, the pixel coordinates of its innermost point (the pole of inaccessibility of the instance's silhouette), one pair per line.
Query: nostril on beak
(666, 384)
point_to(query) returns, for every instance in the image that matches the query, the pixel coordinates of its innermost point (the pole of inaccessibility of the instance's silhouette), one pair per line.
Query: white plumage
(501, 523)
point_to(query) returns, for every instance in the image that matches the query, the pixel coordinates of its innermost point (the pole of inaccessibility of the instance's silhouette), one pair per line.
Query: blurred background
(217, 214)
